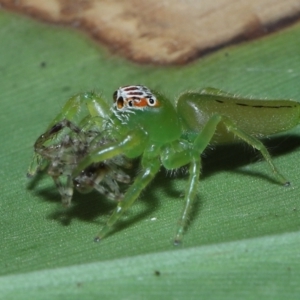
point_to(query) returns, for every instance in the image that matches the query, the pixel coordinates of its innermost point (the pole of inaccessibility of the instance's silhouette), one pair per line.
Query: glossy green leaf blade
(262, 267)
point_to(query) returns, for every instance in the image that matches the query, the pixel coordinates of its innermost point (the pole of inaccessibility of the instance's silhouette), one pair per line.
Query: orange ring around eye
(142, 102)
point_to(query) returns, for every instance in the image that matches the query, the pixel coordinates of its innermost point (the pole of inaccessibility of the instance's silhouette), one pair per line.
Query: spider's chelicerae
(144, 123)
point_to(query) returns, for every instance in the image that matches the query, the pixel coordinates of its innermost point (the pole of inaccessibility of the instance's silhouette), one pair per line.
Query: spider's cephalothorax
(144, 124)
(153, 113)
(135, 97)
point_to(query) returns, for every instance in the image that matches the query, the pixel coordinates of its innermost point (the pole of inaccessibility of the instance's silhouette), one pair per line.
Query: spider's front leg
(150, 169)
(88, 103)
(76, 107)
(176, 155)
(190, 195)
(133, 145)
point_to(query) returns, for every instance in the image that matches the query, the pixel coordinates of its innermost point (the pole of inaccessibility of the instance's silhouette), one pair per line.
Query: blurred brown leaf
(164, 32)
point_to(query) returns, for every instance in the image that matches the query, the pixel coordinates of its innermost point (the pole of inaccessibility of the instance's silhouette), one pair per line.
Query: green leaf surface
(243, 239)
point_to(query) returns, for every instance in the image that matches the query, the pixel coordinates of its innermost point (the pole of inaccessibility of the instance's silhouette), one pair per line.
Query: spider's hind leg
(206, 135)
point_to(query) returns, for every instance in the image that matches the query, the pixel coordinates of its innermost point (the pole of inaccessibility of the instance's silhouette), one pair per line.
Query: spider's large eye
(130, 103)
(120, 102)
(151, 101)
